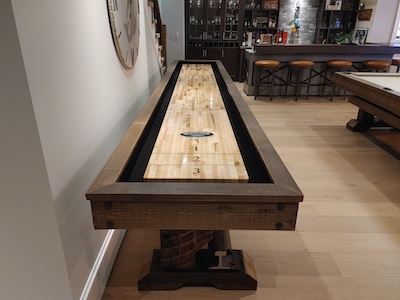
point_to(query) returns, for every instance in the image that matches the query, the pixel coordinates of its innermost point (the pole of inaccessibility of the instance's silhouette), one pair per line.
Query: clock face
(124, 21)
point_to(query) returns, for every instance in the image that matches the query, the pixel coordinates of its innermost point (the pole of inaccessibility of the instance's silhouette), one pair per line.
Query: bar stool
(334, 66)
(297, 68)
(270, 66)
(396, 62)
(375, 65)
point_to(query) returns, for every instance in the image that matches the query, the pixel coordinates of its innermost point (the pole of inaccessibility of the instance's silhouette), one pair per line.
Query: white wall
(173, 16)
(72, 101)
(32, 265)
(380, 26)
(396, 23)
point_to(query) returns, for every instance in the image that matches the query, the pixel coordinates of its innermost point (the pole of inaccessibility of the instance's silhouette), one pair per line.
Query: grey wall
(307, 17)
(173, 16)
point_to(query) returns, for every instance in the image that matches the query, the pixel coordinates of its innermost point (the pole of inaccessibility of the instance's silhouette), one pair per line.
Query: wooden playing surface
(196, 106)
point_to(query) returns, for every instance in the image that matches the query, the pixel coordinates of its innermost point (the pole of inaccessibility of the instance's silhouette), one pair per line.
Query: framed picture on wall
(364, 14)
(360, 35)
(270, 4)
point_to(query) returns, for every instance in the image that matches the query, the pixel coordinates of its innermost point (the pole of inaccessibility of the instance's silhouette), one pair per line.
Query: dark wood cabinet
(231, 60)
(213, 54)
(214, 31)
(229, 56)
(335, 23)
(261, 17)
(195, 53)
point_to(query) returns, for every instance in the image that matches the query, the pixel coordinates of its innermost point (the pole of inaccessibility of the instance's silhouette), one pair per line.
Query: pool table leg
(363, 122)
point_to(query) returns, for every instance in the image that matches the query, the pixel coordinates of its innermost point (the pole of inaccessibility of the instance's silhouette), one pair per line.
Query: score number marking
(196, 140)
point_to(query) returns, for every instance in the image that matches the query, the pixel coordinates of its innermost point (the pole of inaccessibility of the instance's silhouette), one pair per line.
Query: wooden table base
(184, 260)
(240, 277)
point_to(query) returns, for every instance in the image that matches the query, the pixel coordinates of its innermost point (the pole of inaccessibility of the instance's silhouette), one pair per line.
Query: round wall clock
(124, 22)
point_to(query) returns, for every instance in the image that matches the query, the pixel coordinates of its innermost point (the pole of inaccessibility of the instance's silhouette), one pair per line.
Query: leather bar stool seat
(331, 67)
(297, 68)
(267, 63)
(268, 67)
(301, 63)
(396, 62)
(339, 63)
(375, 65)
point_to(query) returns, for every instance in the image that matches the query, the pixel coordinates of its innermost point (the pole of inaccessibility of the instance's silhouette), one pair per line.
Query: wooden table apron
(125, 201)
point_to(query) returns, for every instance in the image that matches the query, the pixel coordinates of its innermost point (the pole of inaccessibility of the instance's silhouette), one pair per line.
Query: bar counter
(316, 52)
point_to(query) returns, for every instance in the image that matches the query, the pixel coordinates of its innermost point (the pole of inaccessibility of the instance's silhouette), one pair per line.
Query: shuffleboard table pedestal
(184, 264)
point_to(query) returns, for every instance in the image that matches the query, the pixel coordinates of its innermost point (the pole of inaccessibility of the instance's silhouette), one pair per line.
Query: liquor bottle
(280, 35)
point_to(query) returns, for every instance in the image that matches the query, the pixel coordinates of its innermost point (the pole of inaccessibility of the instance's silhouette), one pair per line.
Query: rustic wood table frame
(200, 210)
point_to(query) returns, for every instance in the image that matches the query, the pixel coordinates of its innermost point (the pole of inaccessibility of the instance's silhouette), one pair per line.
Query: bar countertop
(319, 54)
(327, 49)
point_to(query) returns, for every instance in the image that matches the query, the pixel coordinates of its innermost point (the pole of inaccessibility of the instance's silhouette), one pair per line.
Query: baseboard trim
(101, 270)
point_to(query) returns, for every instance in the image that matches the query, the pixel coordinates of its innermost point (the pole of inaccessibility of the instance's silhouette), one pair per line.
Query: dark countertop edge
(327, 49)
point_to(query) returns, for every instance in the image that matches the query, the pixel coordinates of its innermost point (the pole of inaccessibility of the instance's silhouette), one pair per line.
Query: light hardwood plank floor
(347, 241)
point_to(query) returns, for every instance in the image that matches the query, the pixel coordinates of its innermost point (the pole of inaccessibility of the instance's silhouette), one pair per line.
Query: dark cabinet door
(231, 61)
(195, 53)
(196, 20)
(204, 53)
(214, 54)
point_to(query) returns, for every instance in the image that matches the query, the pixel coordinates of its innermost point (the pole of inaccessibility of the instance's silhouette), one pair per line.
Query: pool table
(376, 95)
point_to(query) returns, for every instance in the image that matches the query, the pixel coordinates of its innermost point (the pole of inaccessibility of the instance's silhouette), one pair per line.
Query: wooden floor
(347, 241)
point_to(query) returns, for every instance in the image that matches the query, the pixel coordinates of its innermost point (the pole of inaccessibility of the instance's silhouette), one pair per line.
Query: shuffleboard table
(194, 164)
(376, 95)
